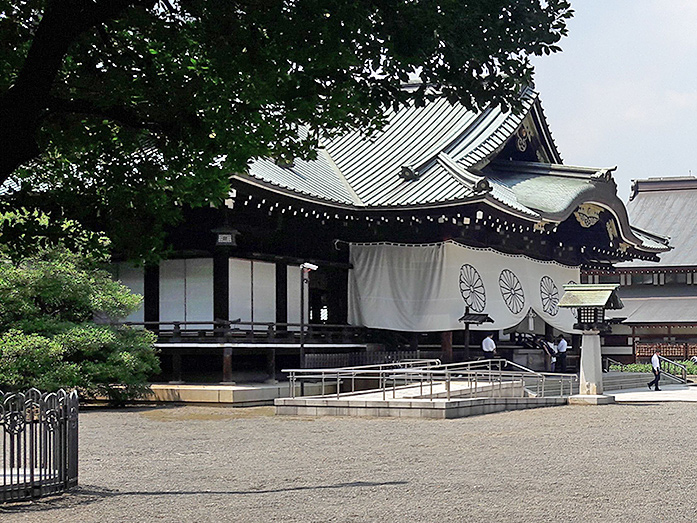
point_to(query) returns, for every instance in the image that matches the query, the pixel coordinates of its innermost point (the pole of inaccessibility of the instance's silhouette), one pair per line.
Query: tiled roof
(9, 186)
(657, 310)
(669, 209)
(421, 139)
(444, 154)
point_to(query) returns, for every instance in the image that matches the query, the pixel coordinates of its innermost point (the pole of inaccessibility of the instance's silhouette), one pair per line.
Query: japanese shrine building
(660, 298)
(442, 211)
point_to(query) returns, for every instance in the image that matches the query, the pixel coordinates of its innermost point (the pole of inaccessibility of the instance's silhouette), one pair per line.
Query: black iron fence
(39, 443)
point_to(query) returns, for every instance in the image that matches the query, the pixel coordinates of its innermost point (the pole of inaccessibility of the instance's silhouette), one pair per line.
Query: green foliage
(48, 336)
(31, 360)
(632, 367)
(159, 102)
(690, 366)
(26, 232)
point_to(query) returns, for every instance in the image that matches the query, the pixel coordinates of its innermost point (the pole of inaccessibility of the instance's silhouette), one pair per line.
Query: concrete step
(625, 380)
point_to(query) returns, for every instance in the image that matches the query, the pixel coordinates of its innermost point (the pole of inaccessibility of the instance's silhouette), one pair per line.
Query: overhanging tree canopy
(141, 102)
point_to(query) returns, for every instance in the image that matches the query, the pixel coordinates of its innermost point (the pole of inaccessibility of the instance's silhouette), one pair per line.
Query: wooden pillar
(549, 332)
(227, 365)
(281, 294)
(221, 284)
(414, 343)
(151, 294)
(467, 342)
(271, 365)
(176, 368)
(446, 346)
(336, 296)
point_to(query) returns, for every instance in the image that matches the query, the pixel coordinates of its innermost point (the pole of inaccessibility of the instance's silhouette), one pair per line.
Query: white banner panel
(240, 289)
(426, 287)
(293, 296)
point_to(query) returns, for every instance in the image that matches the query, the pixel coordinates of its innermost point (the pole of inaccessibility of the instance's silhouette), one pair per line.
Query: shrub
(48, 337)
(690, 366)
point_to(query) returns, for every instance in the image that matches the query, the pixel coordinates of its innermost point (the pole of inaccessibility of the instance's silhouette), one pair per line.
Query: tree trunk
(24, 105)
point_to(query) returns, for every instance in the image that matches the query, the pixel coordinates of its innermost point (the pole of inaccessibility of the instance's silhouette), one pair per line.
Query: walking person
(656, 368)
(561, 354)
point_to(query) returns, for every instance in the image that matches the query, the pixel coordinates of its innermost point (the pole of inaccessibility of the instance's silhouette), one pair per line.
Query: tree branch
(23, 105)
(127, 116)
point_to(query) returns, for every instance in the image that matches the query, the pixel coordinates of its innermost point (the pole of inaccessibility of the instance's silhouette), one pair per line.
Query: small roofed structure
(590, 301)
(470, 318)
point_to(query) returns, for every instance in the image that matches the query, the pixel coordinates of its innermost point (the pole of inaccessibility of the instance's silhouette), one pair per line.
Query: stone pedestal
(591, 399)
(591, 381)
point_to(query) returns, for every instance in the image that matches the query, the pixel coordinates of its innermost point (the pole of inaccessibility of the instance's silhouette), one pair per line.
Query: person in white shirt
(489, 346)
(656, 368)
(561, 354)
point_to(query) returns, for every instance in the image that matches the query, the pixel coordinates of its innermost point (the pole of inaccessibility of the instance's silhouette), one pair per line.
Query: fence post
(447, 383)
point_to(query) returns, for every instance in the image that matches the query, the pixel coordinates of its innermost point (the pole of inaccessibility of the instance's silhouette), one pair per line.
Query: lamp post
(305, 269)
(590, 302)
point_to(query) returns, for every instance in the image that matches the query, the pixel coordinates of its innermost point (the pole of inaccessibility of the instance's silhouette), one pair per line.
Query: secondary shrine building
(660, 298)
(444, 219)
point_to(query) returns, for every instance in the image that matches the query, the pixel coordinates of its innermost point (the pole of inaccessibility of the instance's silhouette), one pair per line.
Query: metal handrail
(363, 371)
(609, 362)
(426, 372)
(680, 366)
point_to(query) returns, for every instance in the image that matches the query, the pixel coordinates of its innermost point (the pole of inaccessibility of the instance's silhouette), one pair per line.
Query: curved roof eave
(310, 198)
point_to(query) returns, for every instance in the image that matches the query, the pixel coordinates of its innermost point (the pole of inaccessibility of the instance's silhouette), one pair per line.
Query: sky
(624, 89)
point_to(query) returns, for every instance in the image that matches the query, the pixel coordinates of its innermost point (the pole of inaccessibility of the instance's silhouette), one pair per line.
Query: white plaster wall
(264, 287)
(199, 290)
(186, 290)
(173, 290)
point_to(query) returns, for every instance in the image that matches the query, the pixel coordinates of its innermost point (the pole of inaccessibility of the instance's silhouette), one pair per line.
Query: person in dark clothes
(656, 368)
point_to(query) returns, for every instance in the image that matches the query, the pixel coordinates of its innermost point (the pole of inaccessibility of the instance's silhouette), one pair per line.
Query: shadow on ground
(88, 494)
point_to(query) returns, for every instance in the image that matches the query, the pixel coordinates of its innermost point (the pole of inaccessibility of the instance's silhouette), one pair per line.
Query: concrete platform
(415, 401)
(238, 395)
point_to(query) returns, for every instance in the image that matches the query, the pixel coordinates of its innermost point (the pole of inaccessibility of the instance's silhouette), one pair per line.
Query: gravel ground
(199, 464)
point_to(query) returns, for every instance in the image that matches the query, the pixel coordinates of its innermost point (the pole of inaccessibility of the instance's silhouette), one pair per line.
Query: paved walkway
(667, 393)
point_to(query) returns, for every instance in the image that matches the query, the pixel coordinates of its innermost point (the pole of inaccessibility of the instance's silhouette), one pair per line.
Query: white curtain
(426, 287)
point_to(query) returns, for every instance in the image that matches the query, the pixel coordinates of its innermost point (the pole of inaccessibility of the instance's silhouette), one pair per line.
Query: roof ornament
(408, 173)
(611, 230)
(588, 214)
(604, 175)
(542, 226)
(522, 138)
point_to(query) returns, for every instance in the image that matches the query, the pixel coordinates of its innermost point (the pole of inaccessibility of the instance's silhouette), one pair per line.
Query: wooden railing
(257, 332)
(676, 351)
